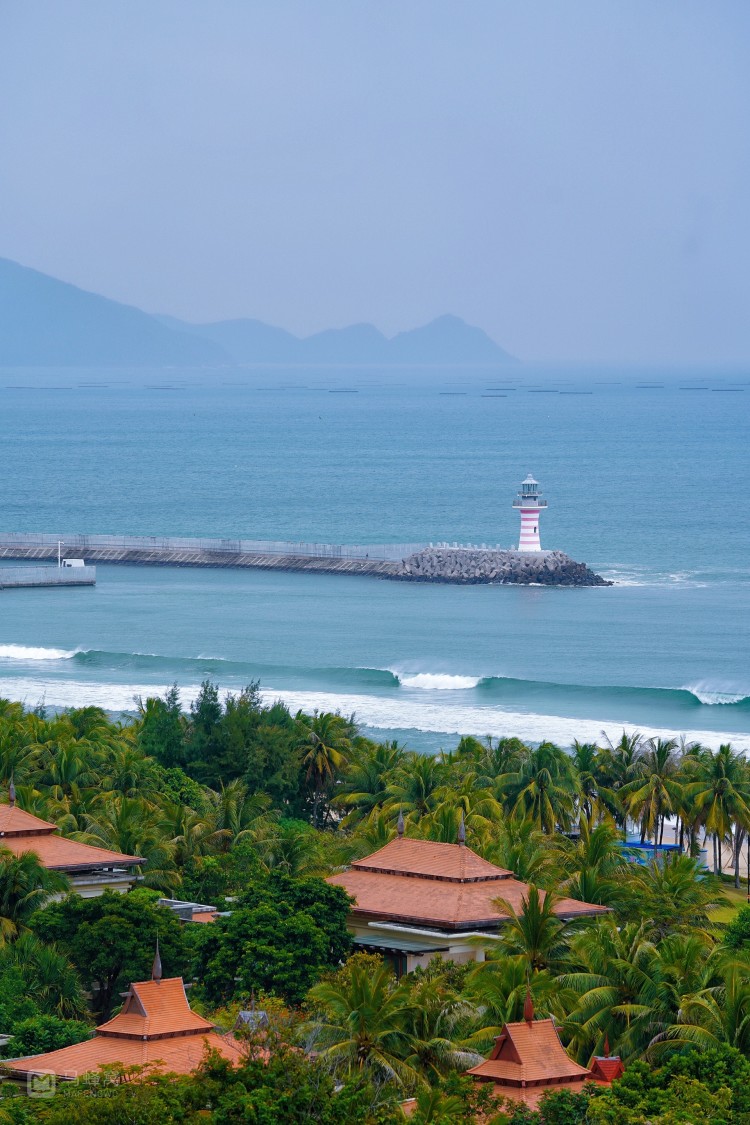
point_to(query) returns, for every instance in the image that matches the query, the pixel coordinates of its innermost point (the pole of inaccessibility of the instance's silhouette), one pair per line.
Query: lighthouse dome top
(530, 479)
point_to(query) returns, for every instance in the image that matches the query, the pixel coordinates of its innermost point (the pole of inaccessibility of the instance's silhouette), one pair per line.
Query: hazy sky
(573, 176)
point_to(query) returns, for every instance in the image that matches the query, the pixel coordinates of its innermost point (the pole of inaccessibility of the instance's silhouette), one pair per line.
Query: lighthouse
(530, 505)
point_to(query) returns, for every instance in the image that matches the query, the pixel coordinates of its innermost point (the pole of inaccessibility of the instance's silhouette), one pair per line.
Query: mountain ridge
(46, 322)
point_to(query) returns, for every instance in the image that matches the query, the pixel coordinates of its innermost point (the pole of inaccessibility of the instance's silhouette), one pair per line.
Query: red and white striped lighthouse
(530, 506)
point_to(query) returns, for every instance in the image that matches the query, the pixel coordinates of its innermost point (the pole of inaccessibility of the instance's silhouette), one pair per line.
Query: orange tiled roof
(21, 832)
(447, 905)
(607, 1068)
(181, 1055)
(16, 822)
(204, 916)
(529, 1052)
(155, 1008)
(431, 860)
(156, 1026)
(445, 885)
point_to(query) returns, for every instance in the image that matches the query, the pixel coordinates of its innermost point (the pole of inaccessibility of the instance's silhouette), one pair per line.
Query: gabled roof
(155, 1027)
(155, 1008)
(16, 822)
(431, 860)
(21, 832)
(607, 1068)
(529, 1052)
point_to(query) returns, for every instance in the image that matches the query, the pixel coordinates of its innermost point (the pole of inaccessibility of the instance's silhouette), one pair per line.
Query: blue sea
(646, 474)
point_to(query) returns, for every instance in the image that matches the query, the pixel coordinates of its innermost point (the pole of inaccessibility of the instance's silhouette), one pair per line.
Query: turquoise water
(647, 481)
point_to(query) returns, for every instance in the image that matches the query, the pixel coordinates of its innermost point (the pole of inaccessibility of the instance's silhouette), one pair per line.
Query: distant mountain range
(46, 322)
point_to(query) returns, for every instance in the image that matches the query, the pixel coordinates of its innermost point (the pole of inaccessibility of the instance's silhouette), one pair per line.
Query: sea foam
(26, 652)
(437, 681)
(426, 715)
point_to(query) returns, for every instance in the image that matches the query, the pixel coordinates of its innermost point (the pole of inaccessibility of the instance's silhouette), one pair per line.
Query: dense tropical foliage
(246, 807)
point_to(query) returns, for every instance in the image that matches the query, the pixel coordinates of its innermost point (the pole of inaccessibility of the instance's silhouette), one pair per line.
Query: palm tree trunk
(715, 859)
(739, 836)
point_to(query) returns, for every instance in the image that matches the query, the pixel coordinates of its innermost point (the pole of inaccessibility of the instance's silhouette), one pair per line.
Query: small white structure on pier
(530, 506)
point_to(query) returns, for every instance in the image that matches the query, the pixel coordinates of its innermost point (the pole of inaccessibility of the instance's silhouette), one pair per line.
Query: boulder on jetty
(475, 565)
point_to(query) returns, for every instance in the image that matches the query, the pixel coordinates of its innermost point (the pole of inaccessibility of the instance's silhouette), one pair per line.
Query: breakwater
(16, 577)
(406, 562)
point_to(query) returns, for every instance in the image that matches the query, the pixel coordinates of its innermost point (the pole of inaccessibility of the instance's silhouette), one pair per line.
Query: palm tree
(414, 785)
(133, 826)
(676, 894)
(593, 863)
(631, 990)
(236, 813)
(520, 847)
(543, 788)
(720, 797)
(435, 1108)
(363, 788)
(610, 968)
(586, 759)
(619, 766)
(717, 1013)
(50, 977)
(191, 833)
(656, 791)
(324, 740)
(535, 933)
(436, 1018)
(362, 1025)
(25, 886)
(498, 988)
(293, 848)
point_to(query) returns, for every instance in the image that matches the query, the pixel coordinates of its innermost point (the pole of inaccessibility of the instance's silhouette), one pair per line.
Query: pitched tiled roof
(529, 1052)
(156, 1026)
(16, 822)
(431, 860)
(180, 1054)
(441, 903)
(154, 1008)
(21, 832)
(607, 1068)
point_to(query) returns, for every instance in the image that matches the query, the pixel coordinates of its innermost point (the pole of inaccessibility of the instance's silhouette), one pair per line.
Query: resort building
(528, 1059)
(156, 1027)
(91, 870)
(417, 898)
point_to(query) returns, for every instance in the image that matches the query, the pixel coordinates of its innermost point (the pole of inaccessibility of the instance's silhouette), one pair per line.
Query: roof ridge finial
(156, 971)
(461, 835)
(606, 1045)
(12, 792)
(528, 1005)
(400, 823)
(252, 999)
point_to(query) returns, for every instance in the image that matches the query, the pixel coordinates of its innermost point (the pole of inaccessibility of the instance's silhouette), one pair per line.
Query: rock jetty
(471, 566)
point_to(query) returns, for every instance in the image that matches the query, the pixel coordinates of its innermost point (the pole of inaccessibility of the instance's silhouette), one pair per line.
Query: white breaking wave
(711, 697)
(437, 681)
(374, 711)
(25, 652)
(642, 577)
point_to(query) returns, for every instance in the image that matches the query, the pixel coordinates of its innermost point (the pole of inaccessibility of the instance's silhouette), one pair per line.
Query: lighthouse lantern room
(530, 505)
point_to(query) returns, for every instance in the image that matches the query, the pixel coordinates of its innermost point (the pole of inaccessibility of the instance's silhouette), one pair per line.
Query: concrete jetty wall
(116, 548)
(406, 562)
(13, 577)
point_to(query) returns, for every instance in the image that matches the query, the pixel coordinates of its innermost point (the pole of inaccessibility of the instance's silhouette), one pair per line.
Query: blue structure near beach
(642, 852)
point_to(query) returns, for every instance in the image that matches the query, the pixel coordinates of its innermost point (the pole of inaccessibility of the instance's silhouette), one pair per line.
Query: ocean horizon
(643, 472)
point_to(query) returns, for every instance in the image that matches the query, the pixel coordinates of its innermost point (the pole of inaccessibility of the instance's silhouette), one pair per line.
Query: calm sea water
(647, 480)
